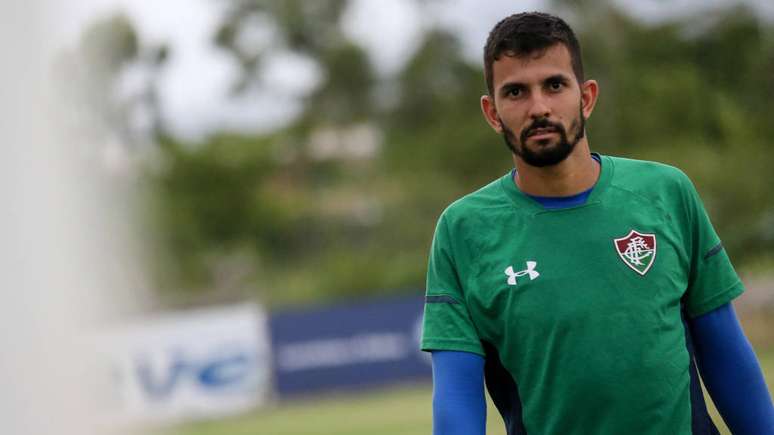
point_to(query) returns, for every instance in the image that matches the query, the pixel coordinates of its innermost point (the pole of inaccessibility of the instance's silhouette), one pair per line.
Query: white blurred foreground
(65, 273)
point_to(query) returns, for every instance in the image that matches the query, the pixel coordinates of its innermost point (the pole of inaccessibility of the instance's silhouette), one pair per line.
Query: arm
(459, 406)
(731, 373)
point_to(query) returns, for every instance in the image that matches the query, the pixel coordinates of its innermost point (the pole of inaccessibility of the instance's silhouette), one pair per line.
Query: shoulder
(648, 177)
(477, 205)
(659, 184)
(627, 169)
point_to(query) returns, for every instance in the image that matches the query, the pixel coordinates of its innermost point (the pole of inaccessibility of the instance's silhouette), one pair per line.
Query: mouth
(541, 133)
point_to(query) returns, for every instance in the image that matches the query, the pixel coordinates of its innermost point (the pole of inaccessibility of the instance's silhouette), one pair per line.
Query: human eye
(514, 92)
(555, 84)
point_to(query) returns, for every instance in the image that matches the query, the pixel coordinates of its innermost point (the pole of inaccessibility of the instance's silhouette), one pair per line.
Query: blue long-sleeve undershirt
(459, 407)
(731, 372)
(726, 361)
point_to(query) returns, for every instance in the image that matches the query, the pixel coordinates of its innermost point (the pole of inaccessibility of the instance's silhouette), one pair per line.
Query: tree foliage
(343, 201)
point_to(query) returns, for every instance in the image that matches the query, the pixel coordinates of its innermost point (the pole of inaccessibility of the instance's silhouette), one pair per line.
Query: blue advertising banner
(348, 347)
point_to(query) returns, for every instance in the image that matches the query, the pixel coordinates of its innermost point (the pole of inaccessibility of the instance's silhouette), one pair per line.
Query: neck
(575, 174)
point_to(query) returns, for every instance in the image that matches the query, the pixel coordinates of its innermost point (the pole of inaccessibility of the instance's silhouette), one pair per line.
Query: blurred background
(273, 170)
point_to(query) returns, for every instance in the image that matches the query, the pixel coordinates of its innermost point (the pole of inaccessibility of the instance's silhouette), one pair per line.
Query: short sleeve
(712, 282)
(447, 324)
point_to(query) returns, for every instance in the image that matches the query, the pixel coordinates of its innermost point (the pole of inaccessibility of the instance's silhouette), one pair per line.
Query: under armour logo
(529, 271)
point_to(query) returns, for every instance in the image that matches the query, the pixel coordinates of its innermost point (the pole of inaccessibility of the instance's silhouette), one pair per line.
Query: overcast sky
(194, 82)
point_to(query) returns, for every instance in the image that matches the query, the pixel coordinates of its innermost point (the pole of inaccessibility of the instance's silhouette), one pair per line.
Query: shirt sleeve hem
(450, 344)
(717, 301)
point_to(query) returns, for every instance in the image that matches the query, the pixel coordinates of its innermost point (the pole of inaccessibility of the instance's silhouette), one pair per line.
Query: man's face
(548, 153)
(538, 104)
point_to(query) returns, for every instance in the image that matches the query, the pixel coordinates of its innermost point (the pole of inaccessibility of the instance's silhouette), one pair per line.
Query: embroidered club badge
(638, 251)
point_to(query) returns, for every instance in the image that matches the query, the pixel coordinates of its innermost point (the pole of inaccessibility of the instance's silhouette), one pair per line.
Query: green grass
(404, 410)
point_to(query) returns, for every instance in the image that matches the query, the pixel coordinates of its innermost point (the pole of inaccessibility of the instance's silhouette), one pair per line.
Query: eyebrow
(557, 77)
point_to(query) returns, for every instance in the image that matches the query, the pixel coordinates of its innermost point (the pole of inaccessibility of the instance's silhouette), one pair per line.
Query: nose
(539, 107)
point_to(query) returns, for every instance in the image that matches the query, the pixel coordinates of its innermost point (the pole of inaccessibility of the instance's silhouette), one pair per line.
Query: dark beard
(547, 156)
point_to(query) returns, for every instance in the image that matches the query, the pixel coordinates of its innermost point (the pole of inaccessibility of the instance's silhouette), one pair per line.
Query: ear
(589, 94)
(490, 113)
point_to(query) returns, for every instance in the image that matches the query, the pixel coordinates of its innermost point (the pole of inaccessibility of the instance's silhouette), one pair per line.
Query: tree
(93, 75)
(343, 201)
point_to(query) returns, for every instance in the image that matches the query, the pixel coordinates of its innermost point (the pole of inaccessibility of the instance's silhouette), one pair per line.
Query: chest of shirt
(560, 268)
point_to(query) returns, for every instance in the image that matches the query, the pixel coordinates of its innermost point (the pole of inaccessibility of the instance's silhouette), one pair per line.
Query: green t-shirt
(579, 312)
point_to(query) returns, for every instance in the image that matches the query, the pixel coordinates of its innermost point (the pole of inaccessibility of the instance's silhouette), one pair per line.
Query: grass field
(404, 411)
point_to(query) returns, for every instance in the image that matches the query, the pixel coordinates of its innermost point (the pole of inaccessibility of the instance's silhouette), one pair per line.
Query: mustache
(542, 123)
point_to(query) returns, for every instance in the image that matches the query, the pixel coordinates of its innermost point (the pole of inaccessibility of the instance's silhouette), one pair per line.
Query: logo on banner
(637, 250)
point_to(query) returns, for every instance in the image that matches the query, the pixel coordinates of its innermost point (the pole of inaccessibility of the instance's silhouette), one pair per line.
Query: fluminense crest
(637, 250)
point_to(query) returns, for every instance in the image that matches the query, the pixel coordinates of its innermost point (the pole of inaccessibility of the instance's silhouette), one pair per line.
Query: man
(586, 288)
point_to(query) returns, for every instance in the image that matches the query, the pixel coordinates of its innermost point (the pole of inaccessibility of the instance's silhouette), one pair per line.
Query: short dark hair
(527, 33)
